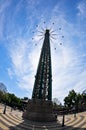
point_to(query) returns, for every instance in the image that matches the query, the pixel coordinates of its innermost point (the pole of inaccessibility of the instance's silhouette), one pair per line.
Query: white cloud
(24, 62)
(67, 61)
(82, 9)
(17, 53)
(68, 76)
(10, 72)
(67, 64)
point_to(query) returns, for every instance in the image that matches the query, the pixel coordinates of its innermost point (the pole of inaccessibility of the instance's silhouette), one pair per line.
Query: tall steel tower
(43, 79)
(40, 107)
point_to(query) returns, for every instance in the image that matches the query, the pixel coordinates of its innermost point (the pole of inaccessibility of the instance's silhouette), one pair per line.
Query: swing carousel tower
(40, 107)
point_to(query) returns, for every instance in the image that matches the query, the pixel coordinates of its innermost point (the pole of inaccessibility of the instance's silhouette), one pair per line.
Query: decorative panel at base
(39, 110)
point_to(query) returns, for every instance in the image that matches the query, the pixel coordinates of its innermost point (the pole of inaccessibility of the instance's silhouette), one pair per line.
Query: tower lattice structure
(40, 107)
(43, 79)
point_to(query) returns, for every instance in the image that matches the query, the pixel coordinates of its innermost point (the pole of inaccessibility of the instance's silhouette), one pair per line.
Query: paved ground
(13, 121)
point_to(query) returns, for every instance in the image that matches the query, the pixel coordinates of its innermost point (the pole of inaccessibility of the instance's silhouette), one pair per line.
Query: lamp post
(74, 111)
(4, 109)
(75, 106)
(5, 104)
(63, 119)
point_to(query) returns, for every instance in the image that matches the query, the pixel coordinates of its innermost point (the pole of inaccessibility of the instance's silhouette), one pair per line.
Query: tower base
(39, 110)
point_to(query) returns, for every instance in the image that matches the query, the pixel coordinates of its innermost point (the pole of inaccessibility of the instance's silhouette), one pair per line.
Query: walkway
(13, 121)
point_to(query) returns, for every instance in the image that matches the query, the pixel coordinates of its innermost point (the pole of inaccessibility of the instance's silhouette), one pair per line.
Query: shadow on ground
(29, 125)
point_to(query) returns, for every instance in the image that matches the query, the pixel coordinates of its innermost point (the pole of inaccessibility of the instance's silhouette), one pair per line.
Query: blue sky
(19, 55)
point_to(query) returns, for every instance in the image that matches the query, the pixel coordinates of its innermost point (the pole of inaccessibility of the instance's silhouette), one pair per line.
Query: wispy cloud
(68, 59)
(82, 9)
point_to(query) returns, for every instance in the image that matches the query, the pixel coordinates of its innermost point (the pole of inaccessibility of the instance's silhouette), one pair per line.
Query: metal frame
(43, 79)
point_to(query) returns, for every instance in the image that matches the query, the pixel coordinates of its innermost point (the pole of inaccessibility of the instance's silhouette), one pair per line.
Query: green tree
(14, 101)
(3, 91)
(3, 88)
(1, 96)
(56, 101)
(57, 106)
(69, 101)
(72, 100)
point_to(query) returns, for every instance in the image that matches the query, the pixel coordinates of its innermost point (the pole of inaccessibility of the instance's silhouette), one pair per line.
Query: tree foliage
(56, 101)
(72, 100)
(10, 99)
(57, 106)
(69, 101)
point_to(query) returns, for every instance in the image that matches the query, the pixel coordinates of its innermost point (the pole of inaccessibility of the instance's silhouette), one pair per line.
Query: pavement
(13, 120)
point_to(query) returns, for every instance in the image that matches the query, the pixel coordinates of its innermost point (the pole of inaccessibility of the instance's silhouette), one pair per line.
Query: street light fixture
(63, 119)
